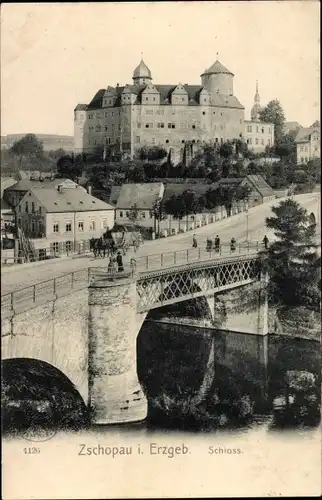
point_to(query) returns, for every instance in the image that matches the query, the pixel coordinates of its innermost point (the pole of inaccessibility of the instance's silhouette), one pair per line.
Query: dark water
(196, 380)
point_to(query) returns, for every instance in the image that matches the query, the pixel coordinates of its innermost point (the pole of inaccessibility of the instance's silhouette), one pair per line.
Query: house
(7, 214)
(15, 192)
(63, 215)
(308, 143)
(140, 198)
(261, 191)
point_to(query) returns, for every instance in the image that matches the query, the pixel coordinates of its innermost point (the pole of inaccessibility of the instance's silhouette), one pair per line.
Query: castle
(174, 117)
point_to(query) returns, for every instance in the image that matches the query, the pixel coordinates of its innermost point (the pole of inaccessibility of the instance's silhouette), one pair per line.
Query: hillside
(50, 142)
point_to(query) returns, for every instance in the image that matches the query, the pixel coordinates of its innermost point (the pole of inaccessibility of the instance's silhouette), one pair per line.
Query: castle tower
(218, 80)
(142, 74)
(255, 111)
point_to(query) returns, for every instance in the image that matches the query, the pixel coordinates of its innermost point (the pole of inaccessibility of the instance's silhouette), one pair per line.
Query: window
(305, 148)
(216, 139)
(33, 207)
(26, 207)
(19, 222)
(92, 225)
(149, 112)
(153, 140)
(68, 227)
(146, 98)
(147, 125)
(256, 141)
(167, 141)
(121, 214)
(256, 129)
(249, 128)
(55, 247)
(80, 225)
(56, 228)
(249, 141)
(204, 112)
(262, 141)
(143, 215)
(193, 125)
(301, 148)
(104, 223)
(173, 125)
(137, 139)
(138, 125)
(33, 226)
(263, 130)
(69, 246)
(169, 125)
(302, 159)
(183, 140)
(150, 215)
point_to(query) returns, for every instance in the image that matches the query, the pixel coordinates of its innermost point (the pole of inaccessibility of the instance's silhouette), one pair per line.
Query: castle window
(193, 125)
(262, 142)
(214, 112)
(162, 125)
(137, 139)
(147, 125)
(203, 112)
(154, 98)
(68, 227)
(183, 141)
(263, 130)
(256, 141)
(249, 128)
(146, 98)
(106, 129)
(173, 125)
(167, 141)
(106, 114)
(169, 125)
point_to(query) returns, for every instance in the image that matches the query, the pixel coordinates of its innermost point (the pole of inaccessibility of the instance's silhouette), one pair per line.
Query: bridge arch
(312, 219)
(36, 394)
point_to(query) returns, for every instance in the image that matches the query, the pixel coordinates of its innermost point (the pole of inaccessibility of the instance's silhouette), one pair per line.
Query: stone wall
(55, 332)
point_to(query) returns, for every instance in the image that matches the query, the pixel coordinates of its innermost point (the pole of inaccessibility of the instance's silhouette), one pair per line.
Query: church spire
(257, 98)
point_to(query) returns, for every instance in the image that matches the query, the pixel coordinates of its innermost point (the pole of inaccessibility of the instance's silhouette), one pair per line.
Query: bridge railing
(41, 292)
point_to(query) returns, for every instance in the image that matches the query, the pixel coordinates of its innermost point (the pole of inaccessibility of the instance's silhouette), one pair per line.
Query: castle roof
(142, 71)
(165, 92)
(217, 67)
(81, 107)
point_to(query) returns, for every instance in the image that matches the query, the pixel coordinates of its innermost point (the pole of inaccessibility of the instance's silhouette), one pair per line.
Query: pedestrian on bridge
(194, 241)
(119, 261)
(265, 241)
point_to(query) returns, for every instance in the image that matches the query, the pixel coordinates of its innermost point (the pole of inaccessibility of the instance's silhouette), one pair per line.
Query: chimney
(89, 190)
(60, 188)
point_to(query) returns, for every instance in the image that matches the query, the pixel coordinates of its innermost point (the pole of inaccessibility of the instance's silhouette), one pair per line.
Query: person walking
(119, 261)
(265, 241)
(194, 241)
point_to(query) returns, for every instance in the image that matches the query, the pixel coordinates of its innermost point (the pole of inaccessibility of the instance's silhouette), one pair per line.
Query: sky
(54, 56)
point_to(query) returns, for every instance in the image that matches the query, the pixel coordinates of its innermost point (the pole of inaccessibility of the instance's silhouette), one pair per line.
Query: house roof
(26, 184)
(68, 200)
(261, 185)
(115, 191)
(6, 182)
(142, 71)
(142, 195)
(5, 206)
(178, 189)
(304, 134)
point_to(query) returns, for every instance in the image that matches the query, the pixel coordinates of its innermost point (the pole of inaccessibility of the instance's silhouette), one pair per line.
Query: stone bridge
(89, 330)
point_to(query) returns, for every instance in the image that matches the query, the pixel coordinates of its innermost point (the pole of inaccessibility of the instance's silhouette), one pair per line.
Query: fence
(34, 295)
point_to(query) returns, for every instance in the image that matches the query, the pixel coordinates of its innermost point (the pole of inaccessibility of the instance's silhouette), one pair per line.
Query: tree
(291, 260)
(226, 150)
(68, 167)
(273, 113)
(57, 153)
(29, 145)
(137, 174)
(285, 147)
(158, 214)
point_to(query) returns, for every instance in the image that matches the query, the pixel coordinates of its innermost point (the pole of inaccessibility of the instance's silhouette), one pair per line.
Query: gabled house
(63, 215)
(308, 143)
(141, 199)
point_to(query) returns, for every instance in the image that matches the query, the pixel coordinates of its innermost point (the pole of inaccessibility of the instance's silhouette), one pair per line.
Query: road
(24, 275)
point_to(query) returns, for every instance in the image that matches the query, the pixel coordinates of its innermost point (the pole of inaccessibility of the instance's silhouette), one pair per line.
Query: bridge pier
(115, 395)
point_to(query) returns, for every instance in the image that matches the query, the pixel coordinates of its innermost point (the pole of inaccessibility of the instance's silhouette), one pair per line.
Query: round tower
(141, 74)
(255, 111)
(218, 80)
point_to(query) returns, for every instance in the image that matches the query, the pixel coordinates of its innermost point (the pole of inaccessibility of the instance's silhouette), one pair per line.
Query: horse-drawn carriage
(119, 239)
